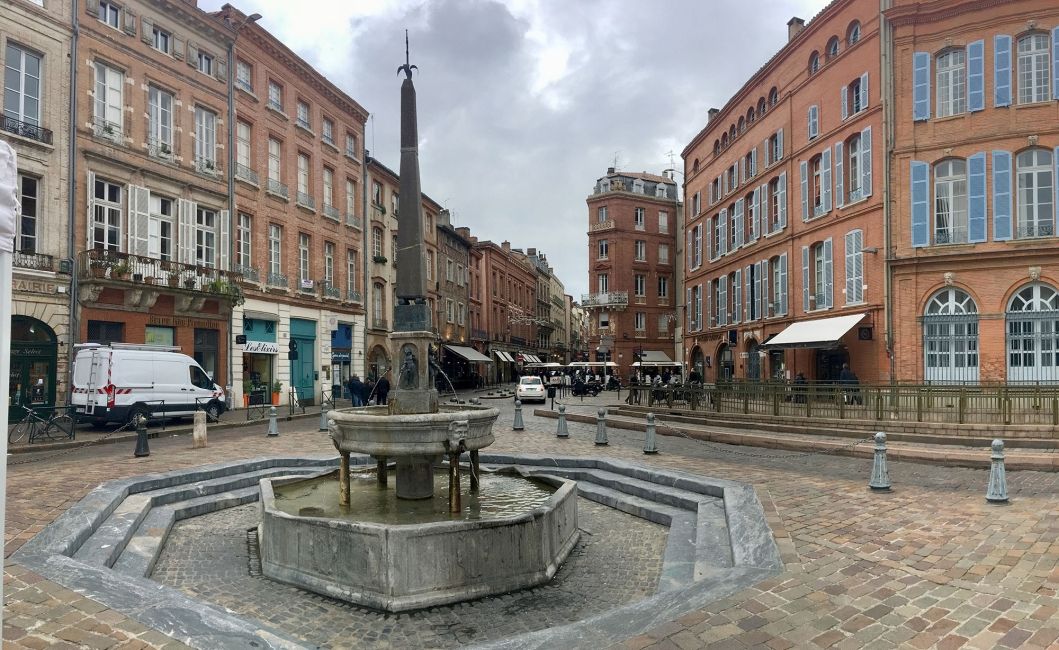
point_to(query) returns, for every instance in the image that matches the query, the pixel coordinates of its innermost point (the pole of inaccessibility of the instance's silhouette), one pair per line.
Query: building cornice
(930, 12)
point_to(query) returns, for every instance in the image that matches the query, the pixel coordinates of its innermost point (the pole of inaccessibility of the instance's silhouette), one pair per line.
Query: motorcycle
(580, 389)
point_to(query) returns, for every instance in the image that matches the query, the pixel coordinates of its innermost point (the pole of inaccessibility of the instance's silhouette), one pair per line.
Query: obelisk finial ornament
(411, 256)
(407, 67)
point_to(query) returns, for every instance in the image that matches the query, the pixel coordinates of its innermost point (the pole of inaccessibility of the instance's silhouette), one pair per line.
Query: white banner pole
(8, 209)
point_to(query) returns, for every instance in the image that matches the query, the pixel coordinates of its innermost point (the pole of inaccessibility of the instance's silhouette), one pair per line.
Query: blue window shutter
(755, 206)
(1055, 62)
(840, 191)
(737, 295)
(829, 278)
(920, 204)
(805, 279)
(825, 178)
(1001, 195)
(976, 229)
(1001, 70)
(738, 218)
(803, 168)
(921, 86)
(864, 91)
(976, 76)
(783, 284)
(845, 102)
(722, 221)
(865, 162)
(783, 200)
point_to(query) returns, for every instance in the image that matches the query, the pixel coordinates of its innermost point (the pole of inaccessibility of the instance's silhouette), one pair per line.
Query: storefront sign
(340, 356)
(34, 286)
(261, 347)
(172, 321)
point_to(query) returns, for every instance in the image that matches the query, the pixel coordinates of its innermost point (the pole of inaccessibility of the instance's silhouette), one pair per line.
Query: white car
(530, 388)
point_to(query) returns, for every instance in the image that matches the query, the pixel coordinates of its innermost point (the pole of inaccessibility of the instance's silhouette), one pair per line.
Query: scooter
(580, 389)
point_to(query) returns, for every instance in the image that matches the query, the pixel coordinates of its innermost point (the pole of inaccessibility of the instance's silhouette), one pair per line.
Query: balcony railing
(244, 173)
(353, 295)
(354, 221)
(326, 139)
(100, 265)
(243, 84)
(303, 123)
(249, 273)
(479, 334)
(605, 299)
(601, 226)
(331, 291)
(1031, 230)
(25, 129)
(108, 130)
(950, 236)
(277, 188)
(306, 201)
(275, 105)
(35, 261)
(278, 280)
(331, 212)
(518, 340)
(158, 149)
(207, 166)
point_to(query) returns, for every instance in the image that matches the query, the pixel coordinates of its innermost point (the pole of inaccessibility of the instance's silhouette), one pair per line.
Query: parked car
(118, 382)
(530, 388)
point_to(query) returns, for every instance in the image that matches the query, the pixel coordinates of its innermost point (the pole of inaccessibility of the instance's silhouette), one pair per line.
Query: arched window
(695, 165)
(774, 97)
(853, 33)
(1032, 321)
(750, 116)
(814, 62)
(950, 337)
(832, 48)
(952, 82)
(724, 140)
(731, 133)
(741, 125)
(761, 107)
(950, 202)
(716, 147)
(1036, 205)
(1033, 68)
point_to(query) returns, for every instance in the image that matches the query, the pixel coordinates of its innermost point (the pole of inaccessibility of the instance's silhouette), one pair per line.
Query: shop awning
(654, 356)
(819, 333)
(260, 315)
(469, 354)
(659, 364)
(503, 356)
(531, 358)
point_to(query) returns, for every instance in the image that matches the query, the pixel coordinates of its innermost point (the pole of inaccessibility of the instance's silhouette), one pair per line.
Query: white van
(117, 382)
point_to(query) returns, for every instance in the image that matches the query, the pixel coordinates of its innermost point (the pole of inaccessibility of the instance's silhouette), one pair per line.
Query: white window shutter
(698, 245)
(139, 200)
(850, 268)
(812, 122)
(783, 284)
(840, 190)
(722, 300)
(858, 269)
(828, 275)
(825, 180)
(225, 227)
(768, 154)
(753, 161)
(845, 102)
(864, 91)
(783, 201)
(91, 203)
(865, 162)
(689, 311)
(737, 295)
(763, 207)
(753, 216)
(708, 227)
(738, 223)
(764, 292)
(146, 30)
(805, 279)
(779, 139)
(689, 249)
(748, 294)
(722, 222)
(803, 169)
(186, 243)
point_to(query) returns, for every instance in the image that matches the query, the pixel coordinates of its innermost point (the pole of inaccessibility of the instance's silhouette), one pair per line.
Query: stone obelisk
(410, 340)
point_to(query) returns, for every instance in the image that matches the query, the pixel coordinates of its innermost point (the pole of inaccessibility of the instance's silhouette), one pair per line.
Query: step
(669, 496)
(713, 548)
(110, 537)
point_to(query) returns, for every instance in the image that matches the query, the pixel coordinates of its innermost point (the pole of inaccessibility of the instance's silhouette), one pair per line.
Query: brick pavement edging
(693, 573)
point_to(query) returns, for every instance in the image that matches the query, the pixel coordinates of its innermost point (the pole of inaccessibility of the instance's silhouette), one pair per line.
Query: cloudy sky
(523, 104)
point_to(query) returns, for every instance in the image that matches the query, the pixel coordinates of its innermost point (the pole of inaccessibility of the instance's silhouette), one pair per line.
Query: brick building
(974, 170)
(508, 304)
(152, 228)
(460, 361)
(784, 220)
(35, 44)
(632, 260)
(297, 229)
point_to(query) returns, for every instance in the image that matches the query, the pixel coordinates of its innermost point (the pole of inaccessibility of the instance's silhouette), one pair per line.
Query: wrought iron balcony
(605, 299)
(602, 225)
(354, 221)
(156, 148)
(1032, 230)
(244, 173)
(353, 295)
(26, 130)
(304, 123)
(331, 212)
(136, 270)
(243, 84)
(275, 105)
(950, 236)
(479, 334)
(331, 291)
(278, 280)
(108, 130)
(326, 139)
(249, 273)
(35, 261)
(306, 201)
(277, 188)
(208, 166)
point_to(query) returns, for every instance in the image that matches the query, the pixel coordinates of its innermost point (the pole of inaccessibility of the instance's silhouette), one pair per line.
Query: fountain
(408, 558)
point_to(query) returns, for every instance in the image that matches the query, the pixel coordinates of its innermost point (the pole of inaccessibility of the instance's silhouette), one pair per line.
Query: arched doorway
(378, 362)
(1033, 334)
(698, 362)
(725, 363)
(34, 355)
(753, 360)
(950, 337)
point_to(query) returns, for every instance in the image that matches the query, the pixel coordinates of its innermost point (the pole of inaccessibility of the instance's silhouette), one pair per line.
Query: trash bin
(551, 392)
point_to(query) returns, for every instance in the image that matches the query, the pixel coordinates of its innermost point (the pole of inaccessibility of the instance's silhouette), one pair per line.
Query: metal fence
(952, 404)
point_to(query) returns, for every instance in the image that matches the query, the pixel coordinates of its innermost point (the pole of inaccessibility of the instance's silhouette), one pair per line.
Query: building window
(303, 175)
(275, 249)
(329, 187)
(328, 132)
(275, 96)
(160, 228)
(22, 85)
(244, 73)
(814, 63)
(450, 270)
(242, 145)
(663, 253)
(950, 202)
(952, 83)
(26, 226)
(853, 33)
(303, 260)
(329, 264)
(105, 332)
(108, 107)
(852, 167)
(430, 265)
(663, 286)
(663, 222)
(109, 13)
(602, 283)
(1036, 208)
(816, 186)
(275, 156)
(351, 198)
(376, 194)
(779, 287)
(640, 250)
(640, 284)
(950, 338)
(106, 216)
(832, 48)
(1033, 66)
(351, 145)
(818, 281)
(206, 63)
(206, 137)
(351, 269)
(603, 249)
(376, 304)
(640, 322)
(160, 39)
(205, 237)
(448, 310)
(856, 98)
(775, 147)
(303, 115)
(601, 214)
(242, 244)
(1033, 334)
(376, 242)
(395, 203)
(159, 122)
(775, 204)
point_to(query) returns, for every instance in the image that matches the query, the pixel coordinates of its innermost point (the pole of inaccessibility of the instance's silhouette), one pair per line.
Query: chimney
(464, 231)
(444, 218)
(712, 113)
(794, 27)
(505, 246)
(610, 170)
(531, 251)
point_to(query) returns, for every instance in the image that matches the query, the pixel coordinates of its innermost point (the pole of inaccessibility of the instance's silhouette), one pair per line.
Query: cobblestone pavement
(928, 565)
(618, 560)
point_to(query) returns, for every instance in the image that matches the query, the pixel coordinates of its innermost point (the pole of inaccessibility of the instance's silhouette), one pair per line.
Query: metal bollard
(273, 427)
(561, 430)
(323, 419)
(142, 448)
(649, 446)
(997, 492)
(517, 425)
(880, 476)
(601, 427)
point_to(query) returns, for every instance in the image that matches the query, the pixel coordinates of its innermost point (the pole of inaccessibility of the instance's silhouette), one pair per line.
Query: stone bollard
(649, 446)
(142, 448)
(323, 419)
(198, 433)
(273, 427)
(561, 430)
(997, 492)
(517, 425)
(880, 476)
(601, 427)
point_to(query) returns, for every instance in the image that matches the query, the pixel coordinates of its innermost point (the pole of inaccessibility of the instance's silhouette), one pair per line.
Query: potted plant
(120, 270)
(248, 386)
(99, 266)
(277, 387)
(379, 259)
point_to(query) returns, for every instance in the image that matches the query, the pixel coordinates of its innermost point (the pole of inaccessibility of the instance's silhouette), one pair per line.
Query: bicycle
(59, 424)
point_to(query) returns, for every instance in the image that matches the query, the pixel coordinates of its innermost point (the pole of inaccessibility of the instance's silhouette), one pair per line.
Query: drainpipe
(71, 195)
(366, 300)
(886, 64)
(232, 217)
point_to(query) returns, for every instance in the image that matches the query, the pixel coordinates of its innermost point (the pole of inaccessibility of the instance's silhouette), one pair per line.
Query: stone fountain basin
(412, 566)
(372, 430)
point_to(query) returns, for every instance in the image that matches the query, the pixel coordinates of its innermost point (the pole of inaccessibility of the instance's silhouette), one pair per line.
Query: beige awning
(654, 356)
(503, 356)
(469, 354)
(818, 333)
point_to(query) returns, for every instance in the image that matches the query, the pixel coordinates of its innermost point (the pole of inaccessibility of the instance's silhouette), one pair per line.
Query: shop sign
(340, 356)
(35, 286)
(172, 321)
(261, 347)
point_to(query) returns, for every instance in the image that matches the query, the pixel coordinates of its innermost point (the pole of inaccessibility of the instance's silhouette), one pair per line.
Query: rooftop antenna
(617, 155)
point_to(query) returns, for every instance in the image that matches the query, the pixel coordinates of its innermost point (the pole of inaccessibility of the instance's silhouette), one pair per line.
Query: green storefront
(259, 360)
(303, 368)
(34, 356)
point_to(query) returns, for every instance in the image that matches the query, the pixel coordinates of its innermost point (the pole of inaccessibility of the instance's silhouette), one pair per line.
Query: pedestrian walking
(382, 389)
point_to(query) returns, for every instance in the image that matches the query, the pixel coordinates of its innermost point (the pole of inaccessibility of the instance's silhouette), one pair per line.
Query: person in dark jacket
(849, 381)
(382, 389)
(356, 390)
